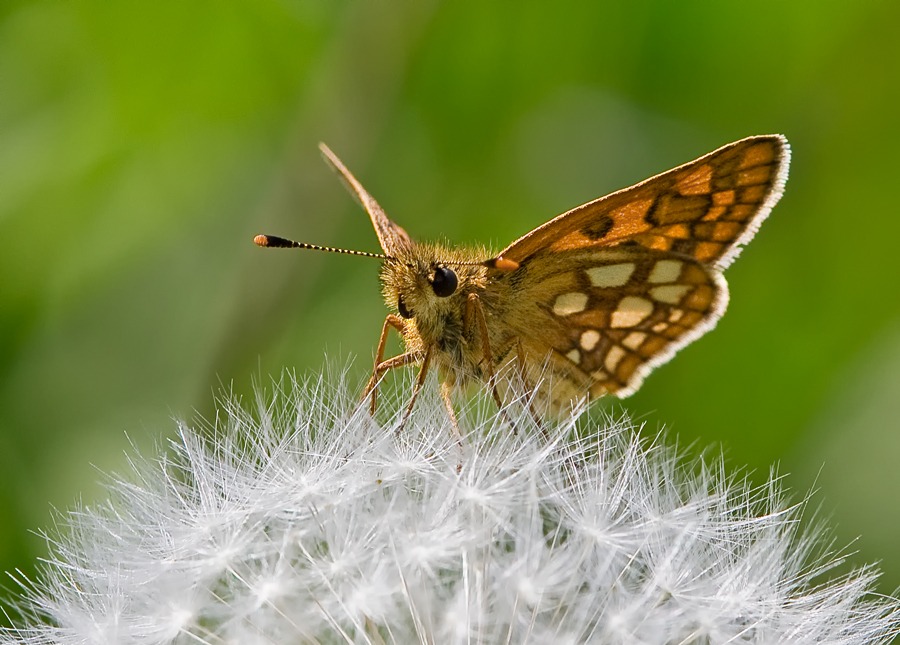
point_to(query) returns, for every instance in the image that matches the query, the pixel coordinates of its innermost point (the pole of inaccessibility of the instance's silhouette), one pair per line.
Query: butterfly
(586, 305)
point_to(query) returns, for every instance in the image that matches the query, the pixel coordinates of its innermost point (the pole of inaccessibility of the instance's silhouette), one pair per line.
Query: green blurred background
(142, 145)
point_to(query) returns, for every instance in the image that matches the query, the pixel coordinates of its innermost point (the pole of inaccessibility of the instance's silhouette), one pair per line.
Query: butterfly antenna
(272, 241)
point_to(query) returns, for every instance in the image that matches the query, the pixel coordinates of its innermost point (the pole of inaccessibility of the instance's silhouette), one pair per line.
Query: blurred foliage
(142, 145)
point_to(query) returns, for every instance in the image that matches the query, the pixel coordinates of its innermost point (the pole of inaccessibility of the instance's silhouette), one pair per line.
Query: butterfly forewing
(391, 236)
(705, 209)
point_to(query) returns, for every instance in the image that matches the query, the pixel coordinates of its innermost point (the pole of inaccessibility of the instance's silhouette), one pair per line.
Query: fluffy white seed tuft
(306, 521)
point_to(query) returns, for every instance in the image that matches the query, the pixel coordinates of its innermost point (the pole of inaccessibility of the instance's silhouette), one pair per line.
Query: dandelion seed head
(304, 520)
(179, 618)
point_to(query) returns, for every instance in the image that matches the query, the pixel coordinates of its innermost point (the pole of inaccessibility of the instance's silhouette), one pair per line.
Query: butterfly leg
(527, 387)
(475, 310)
(381, 366)
(420, 380)
(407, 358)
(526, 384)
(446, 388)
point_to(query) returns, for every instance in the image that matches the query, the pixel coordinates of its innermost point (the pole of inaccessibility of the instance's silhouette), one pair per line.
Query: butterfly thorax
(434, 312)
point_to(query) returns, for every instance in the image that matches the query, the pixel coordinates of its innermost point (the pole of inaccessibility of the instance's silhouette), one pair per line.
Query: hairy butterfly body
(586, 304)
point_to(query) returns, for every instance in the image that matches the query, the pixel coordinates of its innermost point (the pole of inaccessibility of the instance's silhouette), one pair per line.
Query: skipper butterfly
(586, 304)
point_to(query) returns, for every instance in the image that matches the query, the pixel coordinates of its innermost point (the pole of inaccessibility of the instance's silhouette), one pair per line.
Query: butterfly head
(428, 285)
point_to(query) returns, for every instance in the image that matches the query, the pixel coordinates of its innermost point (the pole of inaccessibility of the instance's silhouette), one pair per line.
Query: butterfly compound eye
(401, 306)
(444, 282)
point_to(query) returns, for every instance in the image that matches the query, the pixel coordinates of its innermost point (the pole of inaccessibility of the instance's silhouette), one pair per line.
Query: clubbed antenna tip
(273, 241)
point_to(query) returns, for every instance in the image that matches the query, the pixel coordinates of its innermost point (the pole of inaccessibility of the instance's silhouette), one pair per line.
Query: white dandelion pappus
(307, 522)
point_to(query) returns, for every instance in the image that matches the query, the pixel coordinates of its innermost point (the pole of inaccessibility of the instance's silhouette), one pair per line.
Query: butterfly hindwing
(608, 316)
